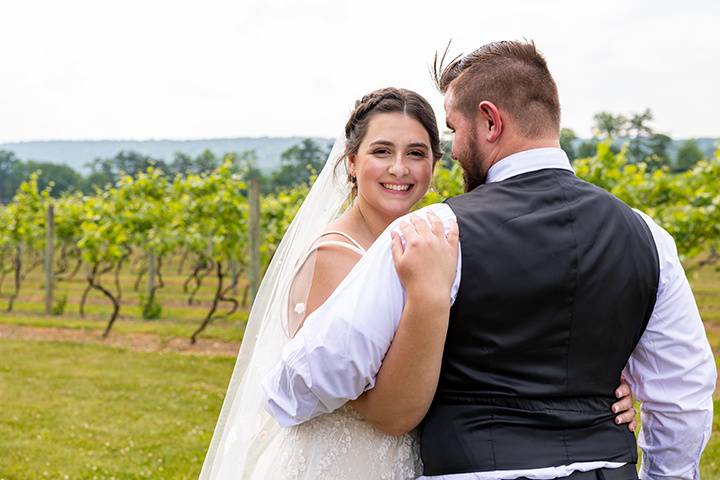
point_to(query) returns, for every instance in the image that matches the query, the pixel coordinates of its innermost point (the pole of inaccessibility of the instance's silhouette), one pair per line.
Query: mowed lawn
(72, 410)
(89, 410)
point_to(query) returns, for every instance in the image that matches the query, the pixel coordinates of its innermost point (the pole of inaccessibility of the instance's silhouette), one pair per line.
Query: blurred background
(153, 153)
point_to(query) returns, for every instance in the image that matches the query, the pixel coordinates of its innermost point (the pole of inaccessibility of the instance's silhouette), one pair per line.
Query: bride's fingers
(409, 232)
(436, 226)
(396, 248)
(623, 404)
(453, 235)
(625, 417)
(420, 224)
(623, 390)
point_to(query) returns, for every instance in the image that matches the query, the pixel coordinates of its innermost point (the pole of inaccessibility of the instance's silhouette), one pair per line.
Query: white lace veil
(244, 430)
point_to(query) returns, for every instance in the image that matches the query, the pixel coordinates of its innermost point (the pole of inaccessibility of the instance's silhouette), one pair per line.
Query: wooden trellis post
(151, 274)
(49, 258)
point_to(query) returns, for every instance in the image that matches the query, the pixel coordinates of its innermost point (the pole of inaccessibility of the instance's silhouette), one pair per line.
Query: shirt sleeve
(337, 353)
(672, 372)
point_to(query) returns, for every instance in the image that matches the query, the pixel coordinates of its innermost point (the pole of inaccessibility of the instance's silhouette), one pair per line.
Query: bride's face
(394, 163)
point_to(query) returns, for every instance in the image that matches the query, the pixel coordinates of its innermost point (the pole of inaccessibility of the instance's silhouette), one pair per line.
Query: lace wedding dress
(339, 445)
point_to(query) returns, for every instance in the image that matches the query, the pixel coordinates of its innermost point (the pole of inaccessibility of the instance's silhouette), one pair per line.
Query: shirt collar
(528, 161)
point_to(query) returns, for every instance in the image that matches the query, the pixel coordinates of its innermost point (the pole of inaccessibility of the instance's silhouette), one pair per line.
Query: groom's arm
(335, 357)
(672, 372)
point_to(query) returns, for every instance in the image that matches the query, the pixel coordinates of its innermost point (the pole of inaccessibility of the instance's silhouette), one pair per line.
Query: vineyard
(177, 260)
(206, 221)
(135, 227)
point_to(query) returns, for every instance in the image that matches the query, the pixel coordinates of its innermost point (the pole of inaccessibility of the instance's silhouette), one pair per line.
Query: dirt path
(141, 342)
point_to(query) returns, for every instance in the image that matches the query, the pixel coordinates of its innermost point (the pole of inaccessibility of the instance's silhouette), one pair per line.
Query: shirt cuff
(288, 397)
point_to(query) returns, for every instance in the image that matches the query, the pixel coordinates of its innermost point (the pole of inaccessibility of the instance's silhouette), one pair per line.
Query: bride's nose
(398, 167)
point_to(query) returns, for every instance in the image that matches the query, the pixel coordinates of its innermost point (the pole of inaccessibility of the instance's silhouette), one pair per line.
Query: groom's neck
(520, 144)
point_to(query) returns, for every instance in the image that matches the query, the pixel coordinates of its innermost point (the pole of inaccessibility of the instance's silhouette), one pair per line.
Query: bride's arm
(407, 380)
(408, 377)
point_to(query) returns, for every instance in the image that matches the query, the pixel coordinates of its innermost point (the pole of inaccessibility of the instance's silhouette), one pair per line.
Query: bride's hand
(408, 378)
(623, 408)
(428, 263)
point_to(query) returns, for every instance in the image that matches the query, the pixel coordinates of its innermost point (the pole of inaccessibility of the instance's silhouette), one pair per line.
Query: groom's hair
(512, 75)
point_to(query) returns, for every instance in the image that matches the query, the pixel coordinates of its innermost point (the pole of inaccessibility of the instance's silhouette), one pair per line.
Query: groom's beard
(471, 161)
(472, 180)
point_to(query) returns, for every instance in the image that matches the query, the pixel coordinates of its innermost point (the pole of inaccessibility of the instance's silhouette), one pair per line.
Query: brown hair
(389, 100)
(512, 75)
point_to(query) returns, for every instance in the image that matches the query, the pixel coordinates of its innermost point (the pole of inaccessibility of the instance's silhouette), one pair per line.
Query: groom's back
(559, 279)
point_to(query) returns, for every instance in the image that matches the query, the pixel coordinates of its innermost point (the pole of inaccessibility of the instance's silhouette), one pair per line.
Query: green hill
(77, 153)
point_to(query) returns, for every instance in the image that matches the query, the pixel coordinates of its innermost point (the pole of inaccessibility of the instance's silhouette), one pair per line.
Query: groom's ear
(490, 121)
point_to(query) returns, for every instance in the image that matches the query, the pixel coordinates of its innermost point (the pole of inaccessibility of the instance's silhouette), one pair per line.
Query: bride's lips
(401, 189)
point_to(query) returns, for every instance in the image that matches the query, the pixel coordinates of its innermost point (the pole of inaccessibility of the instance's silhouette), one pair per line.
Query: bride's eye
(418, 153)
(381, 151)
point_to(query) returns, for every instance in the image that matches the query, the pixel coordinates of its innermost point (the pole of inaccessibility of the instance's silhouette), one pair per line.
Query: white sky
(217, 68)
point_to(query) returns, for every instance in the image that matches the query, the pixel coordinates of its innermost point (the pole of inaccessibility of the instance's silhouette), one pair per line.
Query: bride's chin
(399, 210)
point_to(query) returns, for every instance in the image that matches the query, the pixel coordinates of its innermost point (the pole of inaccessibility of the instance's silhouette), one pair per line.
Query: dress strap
(338, 243)
(355, 247)
(343, 234)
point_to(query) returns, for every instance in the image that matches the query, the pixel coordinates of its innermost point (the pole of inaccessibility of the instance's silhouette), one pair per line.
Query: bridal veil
(244, 430)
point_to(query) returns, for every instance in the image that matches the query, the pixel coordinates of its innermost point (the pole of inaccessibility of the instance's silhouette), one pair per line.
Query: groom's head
(499, 99)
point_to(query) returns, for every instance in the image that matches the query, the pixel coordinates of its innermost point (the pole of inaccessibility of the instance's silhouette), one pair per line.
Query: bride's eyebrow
(387, 143)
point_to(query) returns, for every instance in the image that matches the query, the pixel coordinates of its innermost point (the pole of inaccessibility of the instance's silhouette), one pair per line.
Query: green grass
(86, 411)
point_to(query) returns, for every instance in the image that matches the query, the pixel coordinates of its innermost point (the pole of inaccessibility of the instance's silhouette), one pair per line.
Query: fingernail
(617, 420)
(615, 408)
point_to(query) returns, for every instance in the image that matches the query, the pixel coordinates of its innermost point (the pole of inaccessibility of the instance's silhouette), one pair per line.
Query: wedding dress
(339, 445)
(247, 443)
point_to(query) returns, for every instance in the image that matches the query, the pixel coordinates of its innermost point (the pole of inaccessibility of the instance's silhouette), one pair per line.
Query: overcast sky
(217, 68)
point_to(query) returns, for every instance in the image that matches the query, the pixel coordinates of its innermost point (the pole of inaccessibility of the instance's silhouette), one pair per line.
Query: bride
(390, 147)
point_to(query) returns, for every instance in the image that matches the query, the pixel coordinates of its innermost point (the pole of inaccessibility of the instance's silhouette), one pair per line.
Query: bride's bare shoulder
(336, 253)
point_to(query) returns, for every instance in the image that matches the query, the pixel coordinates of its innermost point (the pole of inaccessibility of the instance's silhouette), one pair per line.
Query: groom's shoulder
(482, 197)
(502, 197)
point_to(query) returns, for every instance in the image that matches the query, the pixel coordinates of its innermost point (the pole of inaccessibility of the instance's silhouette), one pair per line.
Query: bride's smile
(398, 187)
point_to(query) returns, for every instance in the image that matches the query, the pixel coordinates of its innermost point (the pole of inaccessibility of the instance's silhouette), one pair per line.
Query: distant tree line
(297, 164)
(643, 143)
(300, 162)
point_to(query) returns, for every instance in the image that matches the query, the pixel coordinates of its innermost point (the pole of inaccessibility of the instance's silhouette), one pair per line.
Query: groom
(561, 288)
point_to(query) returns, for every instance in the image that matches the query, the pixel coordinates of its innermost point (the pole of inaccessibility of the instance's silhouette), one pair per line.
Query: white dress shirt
(335, 357)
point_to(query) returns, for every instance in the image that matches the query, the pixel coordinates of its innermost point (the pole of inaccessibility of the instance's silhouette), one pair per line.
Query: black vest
(559, 279)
